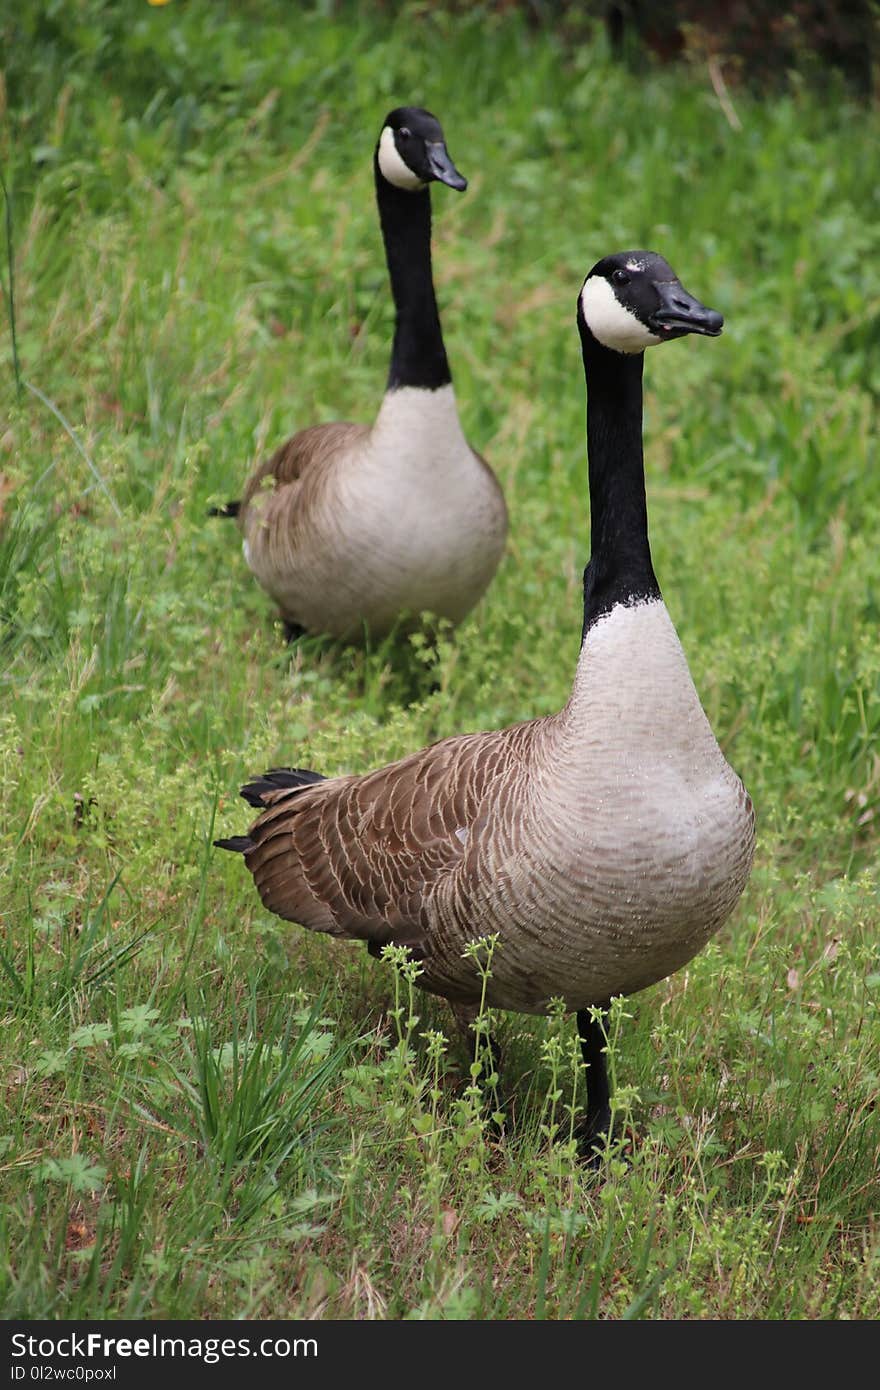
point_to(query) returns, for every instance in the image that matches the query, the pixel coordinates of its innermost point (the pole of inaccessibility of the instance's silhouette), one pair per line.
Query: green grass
(208, 1112)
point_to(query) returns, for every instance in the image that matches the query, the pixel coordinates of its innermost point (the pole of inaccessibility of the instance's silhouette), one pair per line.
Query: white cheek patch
(392, 167)
(610, 323)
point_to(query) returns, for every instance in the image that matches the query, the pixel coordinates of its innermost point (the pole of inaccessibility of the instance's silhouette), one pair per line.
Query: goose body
(350, 527)
(364, 525)
(604, 844)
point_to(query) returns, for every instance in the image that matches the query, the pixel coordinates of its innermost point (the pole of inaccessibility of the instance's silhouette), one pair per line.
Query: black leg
(593, 1130)
(292, 631)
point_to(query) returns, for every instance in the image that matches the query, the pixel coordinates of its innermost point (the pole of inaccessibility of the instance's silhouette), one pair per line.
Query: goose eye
(620, 277)
(405, 132)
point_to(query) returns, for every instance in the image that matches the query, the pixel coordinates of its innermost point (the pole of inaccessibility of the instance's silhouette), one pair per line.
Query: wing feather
(304, 458)
(362, 856)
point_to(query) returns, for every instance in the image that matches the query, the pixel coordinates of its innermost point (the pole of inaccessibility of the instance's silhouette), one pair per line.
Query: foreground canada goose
(604, 844)
(349, 527)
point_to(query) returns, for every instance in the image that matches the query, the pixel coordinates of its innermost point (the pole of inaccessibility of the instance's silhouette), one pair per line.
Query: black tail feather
(228, 509)
(277, 779)
(239, 844)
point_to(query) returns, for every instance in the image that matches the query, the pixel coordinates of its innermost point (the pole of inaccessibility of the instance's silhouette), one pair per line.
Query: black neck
(620, 569)
(418, 357)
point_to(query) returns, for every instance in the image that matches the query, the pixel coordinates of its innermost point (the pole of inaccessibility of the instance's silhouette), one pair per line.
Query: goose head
(412, 152)
(634, 300)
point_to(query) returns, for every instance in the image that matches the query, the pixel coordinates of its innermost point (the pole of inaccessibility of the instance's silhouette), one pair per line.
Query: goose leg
(292, 631)
(593, 1130)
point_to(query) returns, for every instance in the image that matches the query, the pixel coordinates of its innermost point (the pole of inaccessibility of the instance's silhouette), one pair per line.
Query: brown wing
(361, 856)
(305, 454)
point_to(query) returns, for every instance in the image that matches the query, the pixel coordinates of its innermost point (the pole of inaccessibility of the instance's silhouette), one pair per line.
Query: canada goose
(349, 527)
(603, 844)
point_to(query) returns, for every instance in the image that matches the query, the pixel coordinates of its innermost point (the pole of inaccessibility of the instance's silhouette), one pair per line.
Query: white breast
(632, 839)
(432, 519)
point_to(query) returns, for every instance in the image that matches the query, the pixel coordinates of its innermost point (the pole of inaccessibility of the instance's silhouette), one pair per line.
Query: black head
(634, 300)
(412, 152)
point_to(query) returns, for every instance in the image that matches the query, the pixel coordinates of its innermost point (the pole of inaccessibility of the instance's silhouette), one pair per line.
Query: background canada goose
(604, 844)
(347, 526)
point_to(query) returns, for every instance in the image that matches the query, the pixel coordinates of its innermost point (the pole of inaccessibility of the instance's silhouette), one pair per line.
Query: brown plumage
(301, 462)
(363, 857)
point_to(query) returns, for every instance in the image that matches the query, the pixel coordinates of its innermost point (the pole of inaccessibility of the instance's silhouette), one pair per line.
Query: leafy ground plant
(207, 1111)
